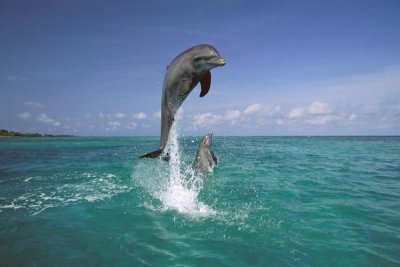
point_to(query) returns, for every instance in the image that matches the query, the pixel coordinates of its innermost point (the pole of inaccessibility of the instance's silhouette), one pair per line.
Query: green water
(271, 201)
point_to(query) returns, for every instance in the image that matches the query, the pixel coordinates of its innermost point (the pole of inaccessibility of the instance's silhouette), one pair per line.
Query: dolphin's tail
(154, 154)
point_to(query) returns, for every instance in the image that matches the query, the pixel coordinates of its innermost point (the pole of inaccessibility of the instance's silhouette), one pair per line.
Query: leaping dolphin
(205, 160)
(183, 74)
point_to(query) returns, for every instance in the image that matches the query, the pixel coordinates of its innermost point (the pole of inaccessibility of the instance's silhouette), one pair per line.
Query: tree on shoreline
(5, 133)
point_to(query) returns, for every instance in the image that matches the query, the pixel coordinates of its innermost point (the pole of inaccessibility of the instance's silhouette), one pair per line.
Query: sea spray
(184, 186)
(173, 183)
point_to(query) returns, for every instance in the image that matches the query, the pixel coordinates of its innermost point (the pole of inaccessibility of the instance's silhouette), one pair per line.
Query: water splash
(177, 187)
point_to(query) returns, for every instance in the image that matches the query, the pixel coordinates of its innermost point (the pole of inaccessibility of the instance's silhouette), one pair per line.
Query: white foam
(184, 200)
(94, 187)
(176, 187)
(28, 179)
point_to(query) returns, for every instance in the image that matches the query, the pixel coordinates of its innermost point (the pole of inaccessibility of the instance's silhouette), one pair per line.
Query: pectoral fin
(186, 86)
(205, 82)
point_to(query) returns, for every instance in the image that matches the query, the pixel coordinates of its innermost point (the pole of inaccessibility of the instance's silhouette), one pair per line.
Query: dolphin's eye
(205, 58)
(198, 58)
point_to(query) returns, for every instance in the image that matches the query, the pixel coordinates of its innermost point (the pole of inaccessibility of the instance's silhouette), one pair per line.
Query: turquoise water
(271, 201)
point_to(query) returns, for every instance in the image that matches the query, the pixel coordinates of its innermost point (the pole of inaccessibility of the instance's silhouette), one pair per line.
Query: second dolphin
(205, 160)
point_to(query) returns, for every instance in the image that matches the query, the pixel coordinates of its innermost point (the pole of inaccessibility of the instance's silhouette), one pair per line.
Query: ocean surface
(271, 201)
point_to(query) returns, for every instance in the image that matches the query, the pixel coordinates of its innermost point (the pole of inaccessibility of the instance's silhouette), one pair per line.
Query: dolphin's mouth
(216, 61)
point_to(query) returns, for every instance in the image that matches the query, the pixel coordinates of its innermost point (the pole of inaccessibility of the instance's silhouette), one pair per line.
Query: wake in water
(174, 184)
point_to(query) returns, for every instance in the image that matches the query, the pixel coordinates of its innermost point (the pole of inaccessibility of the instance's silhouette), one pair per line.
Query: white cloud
(33, 104)
(318, 108)
(322, 120)
(252, 109)
(24, 115)
(370, 109)
(258, 115)
(314, 116)
(120, 115)
(296, 113)
(140, 116)
(101, 115)
(113, 125)
(353, 117)
(314, 109)
(131, 125)
(262, 111)
(323, 114)
(232, 115)
(48, 120)
(205, 119)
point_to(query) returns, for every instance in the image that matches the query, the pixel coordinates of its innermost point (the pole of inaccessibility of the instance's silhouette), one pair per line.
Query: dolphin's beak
(221, 62)
(216, 61)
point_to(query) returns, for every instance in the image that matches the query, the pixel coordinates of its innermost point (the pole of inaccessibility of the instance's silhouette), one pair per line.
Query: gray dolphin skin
(205, 160)
(183, 74)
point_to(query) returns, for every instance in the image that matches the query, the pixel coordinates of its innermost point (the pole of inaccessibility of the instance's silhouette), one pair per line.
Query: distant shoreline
(5, 133)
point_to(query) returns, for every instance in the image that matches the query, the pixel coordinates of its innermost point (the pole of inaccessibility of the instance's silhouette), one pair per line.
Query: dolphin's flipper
(154, 154)
(187, 85)
(205, 83)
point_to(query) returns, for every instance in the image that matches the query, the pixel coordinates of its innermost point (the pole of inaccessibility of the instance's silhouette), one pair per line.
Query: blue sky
(293, 67)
